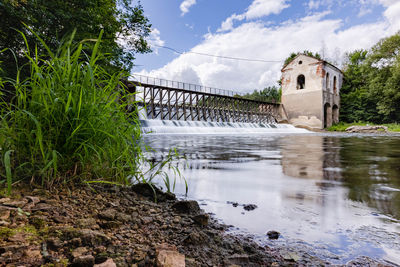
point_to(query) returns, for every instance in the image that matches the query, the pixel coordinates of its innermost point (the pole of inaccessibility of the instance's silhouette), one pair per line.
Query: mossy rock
(6, 232)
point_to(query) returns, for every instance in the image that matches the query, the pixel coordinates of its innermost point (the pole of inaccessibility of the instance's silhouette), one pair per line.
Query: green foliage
(68, 121)
(371, 88)
(305, 52)
(268, 94)
(121, 22)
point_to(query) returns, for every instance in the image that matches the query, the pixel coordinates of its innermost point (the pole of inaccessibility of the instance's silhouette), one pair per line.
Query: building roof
(318, 59)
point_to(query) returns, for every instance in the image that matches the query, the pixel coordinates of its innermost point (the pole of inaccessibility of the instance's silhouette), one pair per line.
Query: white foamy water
(206, 127)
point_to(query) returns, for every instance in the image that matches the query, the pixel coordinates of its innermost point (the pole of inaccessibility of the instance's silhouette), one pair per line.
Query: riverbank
(342, 126)
(91, 225)
(116, 226)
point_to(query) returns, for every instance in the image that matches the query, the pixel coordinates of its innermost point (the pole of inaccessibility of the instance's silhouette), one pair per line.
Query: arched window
(327, 82)
(301, 81)
(334, 85)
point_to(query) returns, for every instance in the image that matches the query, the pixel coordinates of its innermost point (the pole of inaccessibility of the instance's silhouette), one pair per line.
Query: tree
(355, 102)
(383, 68)
(371, 88)
(268, 94)
(52, 20)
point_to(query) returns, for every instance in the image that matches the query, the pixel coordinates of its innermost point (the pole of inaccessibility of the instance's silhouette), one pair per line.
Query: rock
(186, 207)
(87, 222)
(92, 238)
(273, 234)
(107, 263)
(53, 243)
(4, 223)
(18, 237)
(249, 207)
(201, 219)
(168, 256)
(238, 259)
(36, 254)
(366, 129)
(4, 199)
(108, 214)
(34, 200)
(42, 207)
(291, 256)
(122, 217)
(110, 224)
(15, 203)
(4, 213)
(83, 261)
(147, 220)
(235, 204)
(39, 221)
(79, 252)
(152, 192)
(195, 238)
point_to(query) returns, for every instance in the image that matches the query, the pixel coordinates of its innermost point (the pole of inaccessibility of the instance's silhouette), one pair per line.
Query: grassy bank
(342, 126)
(67, 122)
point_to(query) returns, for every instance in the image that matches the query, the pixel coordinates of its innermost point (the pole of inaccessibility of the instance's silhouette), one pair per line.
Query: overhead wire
(217, 56)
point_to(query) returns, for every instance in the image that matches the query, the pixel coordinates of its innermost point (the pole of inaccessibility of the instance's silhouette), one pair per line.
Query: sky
(259, 34)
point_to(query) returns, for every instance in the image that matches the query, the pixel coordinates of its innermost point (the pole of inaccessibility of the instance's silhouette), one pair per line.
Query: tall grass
(67, 121)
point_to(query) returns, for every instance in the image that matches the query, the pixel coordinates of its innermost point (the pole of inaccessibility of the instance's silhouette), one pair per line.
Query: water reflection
(330, 193)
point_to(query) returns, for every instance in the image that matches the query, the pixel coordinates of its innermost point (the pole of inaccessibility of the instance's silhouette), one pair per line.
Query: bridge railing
(181, 85)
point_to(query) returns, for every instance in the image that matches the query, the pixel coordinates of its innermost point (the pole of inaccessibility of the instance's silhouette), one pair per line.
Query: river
(334, 196)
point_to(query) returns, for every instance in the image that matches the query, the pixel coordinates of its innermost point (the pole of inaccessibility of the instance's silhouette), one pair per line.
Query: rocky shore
(109, 226)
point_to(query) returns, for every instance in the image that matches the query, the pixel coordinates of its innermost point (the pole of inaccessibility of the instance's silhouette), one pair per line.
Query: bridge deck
(171, 100)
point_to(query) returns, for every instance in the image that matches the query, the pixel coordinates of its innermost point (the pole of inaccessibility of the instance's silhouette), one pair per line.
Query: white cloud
(227, 25)
(154, 40)
(392, 14)
(261, 8)
(314, 4)
(186, 5)
(255, 40)
(258, 9)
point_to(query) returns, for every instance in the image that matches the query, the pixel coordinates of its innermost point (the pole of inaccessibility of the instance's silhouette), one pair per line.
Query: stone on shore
(168, 256)
(186, 207)
(107, 263)
(367, 129)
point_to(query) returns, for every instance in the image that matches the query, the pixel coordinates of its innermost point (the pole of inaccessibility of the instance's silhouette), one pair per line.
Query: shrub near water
(66, 122)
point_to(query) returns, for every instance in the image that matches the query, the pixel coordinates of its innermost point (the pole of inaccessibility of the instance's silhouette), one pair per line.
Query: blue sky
(257, 29)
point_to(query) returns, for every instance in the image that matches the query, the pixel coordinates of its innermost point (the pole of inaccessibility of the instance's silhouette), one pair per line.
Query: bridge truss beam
(177, 104)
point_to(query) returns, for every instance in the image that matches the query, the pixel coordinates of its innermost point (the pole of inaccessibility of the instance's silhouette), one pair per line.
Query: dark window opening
(334, 85)
(300, 62)
(301, 81)
(327, 82)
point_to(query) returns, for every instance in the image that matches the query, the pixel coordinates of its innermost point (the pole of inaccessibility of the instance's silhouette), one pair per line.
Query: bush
(67, 121)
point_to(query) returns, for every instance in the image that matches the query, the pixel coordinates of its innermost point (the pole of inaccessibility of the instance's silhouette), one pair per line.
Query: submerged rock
(250, 207)
(273, 234)
(234, 204)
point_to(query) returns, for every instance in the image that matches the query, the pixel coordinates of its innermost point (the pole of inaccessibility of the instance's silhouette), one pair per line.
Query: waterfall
(207, 127)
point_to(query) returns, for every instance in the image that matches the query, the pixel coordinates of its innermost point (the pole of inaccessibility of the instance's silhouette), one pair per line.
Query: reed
(67, 121)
